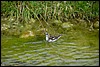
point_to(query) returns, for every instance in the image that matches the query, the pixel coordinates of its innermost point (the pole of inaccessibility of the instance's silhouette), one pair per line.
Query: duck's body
(52, 38)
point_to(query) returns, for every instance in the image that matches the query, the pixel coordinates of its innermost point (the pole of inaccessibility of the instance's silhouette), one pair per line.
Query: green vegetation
(23, 26)
(21, 15)
(50, 9)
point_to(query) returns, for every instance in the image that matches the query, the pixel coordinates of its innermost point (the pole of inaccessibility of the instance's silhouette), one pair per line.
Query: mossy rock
(66, 25)
(27, 34)
(57, 21)
(32, 20)
(96, 24)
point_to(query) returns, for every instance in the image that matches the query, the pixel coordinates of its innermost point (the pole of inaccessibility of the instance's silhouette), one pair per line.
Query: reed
(23, 11)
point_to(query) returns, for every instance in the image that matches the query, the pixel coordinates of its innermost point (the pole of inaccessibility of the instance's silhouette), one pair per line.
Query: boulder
(66, 25)
(57, 21)
(27, 34)
(96, 24)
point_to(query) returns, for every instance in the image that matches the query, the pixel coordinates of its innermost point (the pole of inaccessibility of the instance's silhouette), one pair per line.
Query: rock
(65, 19)
(57, 21)
(66, 25)
(96, 24)
(27, 34)
(41, 31)
(32, 20)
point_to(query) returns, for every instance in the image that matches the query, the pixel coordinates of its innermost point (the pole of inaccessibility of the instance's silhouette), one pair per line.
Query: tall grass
(23, 11)
(49, 9)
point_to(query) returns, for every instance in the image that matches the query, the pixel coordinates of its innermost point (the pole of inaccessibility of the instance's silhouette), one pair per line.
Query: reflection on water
(34, 42)
(79, 51)
(64, 54)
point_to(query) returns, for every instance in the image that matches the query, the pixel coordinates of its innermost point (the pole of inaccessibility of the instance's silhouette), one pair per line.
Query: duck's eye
(53, 38)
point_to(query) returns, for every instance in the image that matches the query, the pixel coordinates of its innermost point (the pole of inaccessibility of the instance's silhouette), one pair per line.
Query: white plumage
(51, 38)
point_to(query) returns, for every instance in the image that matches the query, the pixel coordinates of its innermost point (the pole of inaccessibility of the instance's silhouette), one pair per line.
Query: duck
(50, 38)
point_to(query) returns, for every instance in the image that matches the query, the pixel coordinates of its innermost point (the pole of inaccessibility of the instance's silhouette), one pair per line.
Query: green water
(74, 48)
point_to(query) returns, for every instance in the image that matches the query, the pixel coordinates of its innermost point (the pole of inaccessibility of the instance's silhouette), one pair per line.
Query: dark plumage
(50, 38)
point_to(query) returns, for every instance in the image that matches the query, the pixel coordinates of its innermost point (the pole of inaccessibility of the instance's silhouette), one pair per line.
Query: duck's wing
(56, 37)
(52, 37)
